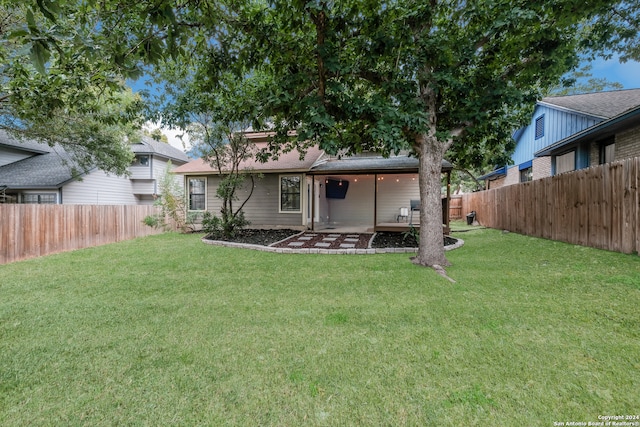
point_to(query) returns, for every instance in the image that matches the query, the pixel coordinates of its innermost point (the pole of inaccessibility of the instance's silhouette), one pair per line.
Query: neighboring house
(573, 132)
(318, 192)
(32, 172)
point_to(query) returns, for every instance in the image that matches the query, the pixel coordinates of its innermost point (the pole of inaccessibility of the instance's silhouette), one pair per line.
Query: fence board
(28, 231)
(598, 207)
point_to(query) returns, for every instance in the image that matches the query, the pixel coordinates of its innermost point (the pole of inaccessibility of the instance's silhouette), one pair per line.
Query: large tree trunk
(431, 246)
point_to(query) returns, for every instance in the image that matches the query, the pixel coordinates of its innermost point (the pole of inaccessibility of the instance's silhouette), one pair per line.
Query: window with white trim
(290, 193)
(197, 193)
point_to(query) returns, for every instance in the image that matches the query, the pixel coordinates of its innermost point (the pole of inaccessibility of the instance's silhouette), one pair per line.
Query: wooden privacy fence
(596, 207)
(28, 231)
(455, 207)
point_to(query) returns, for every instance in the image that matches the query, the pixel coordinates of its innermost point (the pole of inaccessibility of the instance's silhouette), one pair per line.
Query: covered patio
(368, 194)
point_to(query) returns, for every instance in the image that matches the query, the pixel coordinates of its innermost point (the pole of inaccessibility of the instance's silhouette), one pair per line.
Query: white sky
(172, 135)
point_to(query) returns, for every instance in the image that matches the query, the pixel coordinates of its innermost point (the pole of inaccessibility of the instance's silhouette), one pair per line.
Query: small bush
(152, 221)
(217, 228)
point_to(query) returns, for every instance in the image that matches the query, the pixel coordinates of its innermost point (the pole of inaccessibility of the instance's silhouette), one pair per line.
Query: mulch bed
(270, 237)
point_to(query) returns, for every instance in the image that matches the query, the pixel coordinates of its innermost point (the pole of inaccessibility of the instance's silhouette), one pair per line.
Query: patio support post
(448, 208)
(375, 200)
(313, 202)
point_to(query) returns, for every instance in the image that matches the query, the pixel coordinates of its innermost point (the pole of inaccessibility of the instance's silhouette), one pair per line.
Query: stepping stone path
(327, 241)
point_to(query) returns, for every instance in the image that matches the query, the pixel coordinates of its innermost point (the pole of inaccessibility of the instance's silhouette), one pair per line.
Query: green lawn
(165, 330)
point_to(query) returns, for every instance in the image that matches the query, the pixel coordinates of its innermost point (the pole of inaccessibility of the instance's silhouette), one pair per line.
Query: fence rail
(596, 207)
(28, 231)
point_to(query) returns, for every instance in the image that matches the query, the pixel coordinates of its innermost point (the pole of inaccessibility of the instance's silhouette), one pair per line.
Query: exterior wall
(513, 176)
(98, 188)
(495, 183)
(356, 209)
(541, 167)
(558, 124)
(145, 179)
(357, 206)
(159, 167)
(10, 155)
(262, 209)
(395, 192)
(628, 144)
(142, 172)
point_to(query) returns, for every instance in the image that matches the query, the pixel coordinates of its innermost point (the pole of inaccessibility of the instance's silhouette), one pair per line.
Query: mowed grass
(168, 331)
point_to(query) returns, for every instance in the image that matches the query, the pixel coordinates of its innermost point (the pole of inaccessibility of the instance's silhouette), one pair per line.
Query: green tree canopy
(64, 65)
(438, 78)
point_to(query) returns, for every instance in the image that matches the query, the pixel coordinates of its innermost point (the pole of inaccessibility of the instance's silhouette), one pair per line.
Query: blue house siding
(558, 124)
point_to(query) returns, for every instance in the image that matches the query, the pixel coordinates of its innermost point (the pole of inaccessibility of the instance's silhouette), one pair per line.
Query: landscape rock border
(369, 251)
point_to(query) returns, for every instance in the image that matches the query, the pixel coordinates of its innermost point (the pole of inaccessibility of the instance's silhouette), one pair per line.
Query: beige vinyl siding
(144, 186)
(10, 155)
(357, 206)
(262, 209)
(142, 172)
(159, 167)
(98, 188)
(395, 192)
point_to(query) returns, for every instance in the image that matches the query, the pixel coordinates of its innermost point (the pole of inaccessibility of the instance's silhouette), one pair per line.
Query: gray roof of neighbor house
(600, 104)
(151, 146)
(47, 170)
(51, 167)
(7, 140)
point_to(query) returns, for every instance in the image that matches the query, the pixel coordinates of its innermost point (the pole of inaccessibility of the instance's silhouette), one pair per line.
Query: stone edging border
(369, 251)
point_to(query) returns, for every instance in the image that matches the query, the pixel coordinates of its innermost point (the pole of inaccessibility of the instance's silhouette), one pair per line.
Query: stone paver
(323, 245)
(351, 240)
(296, 244)
(347, 245)
(330, 239)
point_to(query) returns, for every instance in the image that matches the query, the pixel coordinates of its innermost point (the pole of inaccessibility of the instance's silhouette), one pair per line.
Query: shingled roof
(48, 170)
(151, 146)
(600, 104)
(52, 167)
(7, 140)
(286, 162)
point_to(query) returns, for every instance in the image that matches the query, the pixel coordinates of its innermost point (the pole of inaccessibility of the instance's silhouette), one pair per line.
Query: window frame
(280, 194)
(138, 163)
(604, 145)
(189, 193)
(526, 175)
(53, 198)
